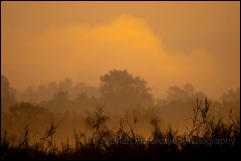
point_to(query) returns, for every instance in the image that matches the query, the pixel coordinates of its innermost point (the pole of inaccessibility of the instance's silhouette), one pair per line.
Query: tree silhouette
(182, 94)
(118, 88)
(59, 102)
(7, 94)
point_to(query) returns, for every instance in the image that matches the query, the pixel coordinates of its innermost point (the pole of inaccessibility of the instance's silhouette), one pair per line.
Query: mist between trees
(122, 101)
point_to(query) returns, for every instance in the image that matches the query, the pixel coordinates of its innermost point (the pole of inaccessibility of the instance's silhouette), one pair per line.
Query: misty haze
(120, 80)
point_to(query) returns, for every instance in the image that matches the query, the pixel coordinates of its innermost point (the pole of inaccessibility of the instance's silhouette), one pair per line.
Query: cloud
(83, 52)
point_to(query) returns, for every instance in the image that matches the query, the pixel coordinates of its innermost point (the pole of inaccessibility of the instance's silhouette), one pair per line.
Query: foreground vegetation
(206, 137)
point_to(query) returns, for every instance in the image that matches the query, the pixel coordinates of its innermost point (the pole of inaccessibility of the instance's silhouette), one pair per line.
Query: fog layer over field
(121, 96)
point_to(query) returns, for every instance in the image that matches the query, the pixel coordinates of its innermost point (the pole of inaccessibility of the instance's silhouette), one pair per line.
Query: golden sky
(166, 43)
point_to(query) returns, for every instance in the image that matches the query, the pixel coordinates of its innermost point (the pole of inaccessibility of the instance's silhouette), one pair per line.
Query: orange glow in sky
(165, 43)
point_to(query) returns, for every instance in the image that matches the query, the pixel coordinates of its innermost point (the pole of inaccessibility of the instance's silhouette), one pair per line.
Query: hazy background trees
(46, 92)
(121, 95)
(7, 94)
